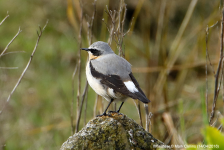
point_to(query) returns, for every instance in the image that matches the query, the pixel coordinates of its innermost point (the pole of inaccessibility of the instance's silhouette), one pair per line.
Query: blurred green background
(162, 36)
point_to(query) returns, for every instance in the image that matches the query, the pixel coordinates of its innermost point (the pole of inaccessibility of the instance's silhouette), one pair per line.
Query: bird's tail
(140, 94)
(142, 97)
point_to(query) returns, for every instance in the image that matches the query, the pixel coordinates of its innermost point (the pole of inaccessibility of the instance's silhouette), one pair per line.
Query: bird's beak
(86, 49)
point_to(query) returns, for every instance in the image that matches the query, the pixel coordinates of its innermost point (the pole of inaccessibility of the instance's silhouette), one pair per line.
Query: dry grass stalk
(85, 110)
(111, 28)
(19, 31)
(160, 26)
(95, 105)
(216, 90)
(176, 138)
(28, 64)
(178, 45)
(8, 67)
(81, 106)
(79, 69)
(73, 99)
(147, 117)
(13, 52)
(206, 66)
(175, 67)
(4, 19)
(223, 88)
(89, 36)
(135, 16)
(137, 105)
(90, 24)
(116, 29)
(174, 50)
(71, 14)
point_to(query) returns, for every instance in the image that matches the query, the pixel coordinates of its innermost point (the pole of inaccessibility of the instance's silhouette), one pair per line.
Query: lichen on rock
(115, 131)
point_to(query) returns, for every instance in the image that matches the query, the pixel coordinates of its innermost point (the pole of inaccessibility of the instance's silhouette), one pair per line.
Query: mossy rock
(115, 131)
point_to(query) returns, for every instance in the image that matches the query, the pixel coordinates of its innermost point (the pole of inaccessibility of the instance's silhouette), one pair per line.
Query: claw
(104, 114)
(113, 112)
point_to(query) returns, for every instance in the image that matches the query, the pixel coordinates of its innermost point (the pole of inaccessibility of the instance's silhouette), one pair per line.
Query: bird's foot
(104, 114)
(113, 112)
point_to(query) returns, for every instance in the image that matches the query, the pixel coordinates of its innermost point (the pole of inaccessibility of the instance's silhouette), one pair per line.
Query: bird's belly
(95, 84)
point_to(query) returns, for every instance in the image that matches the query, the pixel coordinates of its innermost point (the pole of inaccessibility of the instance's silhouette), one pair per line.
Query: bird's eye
(95, 52)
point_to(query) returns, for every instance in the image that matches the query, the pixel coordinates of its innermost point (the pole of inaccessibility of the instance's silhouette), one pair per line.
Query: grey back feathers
(112, 64)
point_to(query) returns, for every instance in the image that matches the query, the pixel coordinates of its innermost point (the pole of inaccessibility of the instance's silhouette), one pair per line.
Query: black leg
(104, 113)
(120, 107)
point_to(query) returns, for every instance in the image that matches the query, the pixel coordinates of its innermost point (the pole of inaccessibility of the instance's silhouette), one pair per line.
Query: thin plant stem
(4, 19)
(137, 105)
(95, 105)
(13, 52)
(81, 106)
(216, 90)
(206, 66)
(79, 68)
(147, 119)
(73, 99)
(28, 64)
(19, 31)
(9, 67)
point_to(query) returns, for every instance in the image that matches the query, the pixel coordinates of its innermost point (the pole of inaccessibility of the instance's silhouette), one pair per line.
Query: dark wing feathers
(116, 83)
(144, 98)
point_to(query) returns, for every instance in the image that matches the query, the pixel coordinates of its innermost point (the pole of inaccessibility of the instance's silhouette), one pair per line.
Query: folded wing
(128, 87)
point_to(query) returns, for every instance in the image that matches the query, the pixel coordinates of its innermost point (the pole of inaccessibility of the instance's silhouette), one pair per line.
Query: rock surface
(115, 131)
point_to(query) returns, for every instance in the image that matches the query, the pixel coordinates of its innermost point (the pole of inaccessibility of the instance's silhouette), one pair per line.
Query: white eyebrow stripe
(131, 86)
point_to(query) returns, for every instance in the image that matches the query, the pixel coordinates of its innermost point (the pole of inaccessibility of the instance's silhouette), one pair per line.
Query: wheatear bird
(110, 75)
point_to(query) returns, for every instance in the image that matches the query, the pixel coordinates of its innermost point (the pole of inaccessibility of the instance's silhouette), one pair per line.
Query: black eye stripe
(95, 52)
